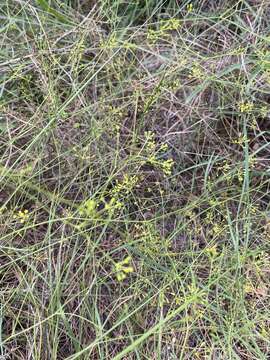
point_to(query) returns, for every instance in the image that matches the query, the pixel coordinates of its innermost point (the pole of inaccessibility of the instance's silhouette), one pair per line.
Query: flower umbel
(155, 154)
(189, 7)
(22, 216)
(122, 268)
(246, 107)
(212, 251)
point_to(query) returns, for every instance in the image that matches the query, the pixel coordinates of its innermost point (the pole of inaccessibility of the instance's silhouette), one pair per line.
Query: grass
(134, 182)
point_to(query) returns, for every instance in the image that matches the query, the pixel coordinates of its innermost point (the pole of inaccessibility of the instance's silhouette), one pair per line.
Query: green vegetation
(134, 179)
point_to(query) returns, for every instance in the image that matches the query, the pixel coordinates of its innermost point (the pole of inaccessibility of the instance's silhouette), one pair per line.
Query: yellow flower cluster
(88, 208)
(171, 24)
(174, 85)
(120, 190)
(167, 166)
(149, 240)
(153, 150)
(113, 205)
(242, 139)
(246, 107)
(153, 35)
(196, 72)
(189, 7)
(217, 229)
(123, 268)
(126, 185)
(22, 216)
(166, 25)
(150, 142)
(225, 167)
(264, 110)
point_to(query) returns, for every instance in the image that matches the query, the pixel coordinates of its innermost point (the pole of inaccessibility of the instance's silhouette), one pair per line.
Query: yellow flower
(120, 276)
(212, 251)
(22, 216)
(122, 268)
(163, 147)
(171, 24)
(189, 7)
(88, 208)
(196, 72)
(248, 288)
(177, 300)
(167, 166)
(246, 107)
(242, 139)
(264, 110)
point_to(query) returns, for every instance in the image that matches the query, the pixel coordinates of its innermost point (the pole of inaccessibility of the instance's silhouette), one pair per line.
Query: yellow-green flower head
(123, 268)
(22, 216)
